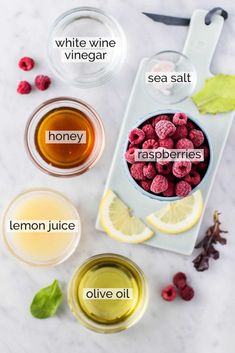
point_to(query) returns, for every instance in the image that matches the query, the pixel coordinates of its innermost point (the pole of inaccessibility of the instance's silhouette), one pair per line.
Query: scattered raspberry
(164, 129)
(180, 280)
(180, 132)
(183, 188)
(193, 178)
(159, 184)
(169, 293)
(145, 184)
(184, 144)
(180, 119)
(180, 169)
(136, 136)
(24, 87)
(130, 155)
(42, 82)
(149, 131)
(137, 171)
(187, 293)
(26, 63)
(166, 143)
(164, 168)
(197, 137)
(149, 171)
(170, 191)
(155, 120)
(190, 125)
(150, 144)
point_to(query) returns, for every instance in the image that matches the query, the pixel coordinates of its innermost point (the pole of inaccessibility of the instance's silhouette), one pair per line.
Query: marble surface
(201, 326)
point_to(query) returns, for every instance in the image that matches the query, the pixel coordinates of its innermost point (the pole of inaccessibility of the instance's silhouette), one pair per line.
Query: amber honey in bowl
(59, 153)
(64, 137)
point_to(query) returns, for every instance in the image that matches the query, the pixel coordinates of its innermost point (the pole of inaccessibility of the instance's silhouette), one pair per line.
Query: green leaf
(46, 302)
(217, 95)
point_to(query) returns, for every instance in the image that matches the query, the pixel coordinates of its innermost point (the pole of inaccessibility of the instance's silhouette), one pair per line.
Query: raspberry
(183, 188)
(136, 136)
(170, 191)
(166, 143)
(130, 155)
(169, 293)
(137, 171)
(150, 144)
(131, 145)
(42, 82)
(184, 144)
(26, 63)
(202, 166)
(180, 119)
(197, 137)
(160, 160)
(164, 129)
(159, 184)
(149, 171)
(164, 169)
(145, 184)
(149, 131)
(180, 132)
(180, 169)
(155, 120)
(206, 151)
(193, 178)
(190, 125)
(171, 177)
(187, 293)
(24, 87)
(180, 280)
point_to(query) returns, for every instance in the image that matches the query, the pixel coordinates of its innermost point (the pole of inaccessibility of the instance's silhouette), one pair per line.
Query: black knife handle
(211, 13)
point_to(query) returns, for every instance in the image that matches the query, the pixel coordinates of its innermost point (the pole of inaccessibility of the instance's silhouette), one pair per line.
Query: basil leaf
(46, 302)
(217, 95)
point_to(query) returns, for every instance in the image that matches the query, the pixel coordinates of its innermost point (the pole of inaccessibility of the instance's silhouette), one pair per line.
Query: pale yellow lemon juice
(41, 227)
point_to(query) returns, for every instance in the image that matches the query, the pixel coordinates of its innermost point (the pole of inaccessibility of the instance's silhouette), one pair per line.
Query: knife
(182, 21)
(168, 20)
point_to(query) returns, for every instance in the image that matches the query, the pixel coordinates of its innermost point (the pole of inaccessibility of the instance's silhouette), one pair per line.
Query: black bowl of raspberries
(160, 179)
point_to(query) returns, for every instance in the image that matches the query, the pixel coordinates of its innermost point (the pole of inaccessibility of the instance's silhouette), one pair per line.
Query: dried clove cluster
(212, 237)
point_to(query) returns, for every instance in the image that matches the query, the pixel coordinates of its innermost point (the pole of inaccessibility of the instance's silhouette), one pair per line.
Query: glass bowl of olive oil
(64, 137)
(108, 293)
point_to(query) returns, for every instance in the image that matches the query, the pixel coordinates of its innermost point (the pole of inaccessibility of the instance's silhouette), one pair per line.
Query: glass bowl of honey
(64, 137)
(108, 293)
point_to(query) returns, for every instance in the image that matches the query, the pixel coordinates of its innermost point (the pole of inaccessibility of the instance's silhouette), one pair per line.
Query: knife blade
(168, 20)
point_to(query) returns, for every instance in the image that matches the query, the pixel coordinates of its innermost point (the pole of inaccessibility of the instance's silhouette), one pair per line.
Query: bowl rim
(132, 180)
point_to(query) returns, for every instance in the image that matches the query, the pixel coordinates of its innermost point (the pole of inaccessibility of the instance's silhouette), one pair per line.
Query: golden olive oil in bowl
(108, 293)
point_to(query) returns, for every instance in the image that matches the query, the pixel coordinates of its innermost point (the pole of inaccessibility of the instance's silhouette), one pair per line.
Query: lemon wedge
(179, 216)
(118, 221)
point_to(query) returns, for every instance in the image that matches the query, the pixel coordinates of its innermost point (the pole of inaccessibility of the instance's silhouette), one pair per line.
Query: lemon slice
(119, 223)
(178, 216)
